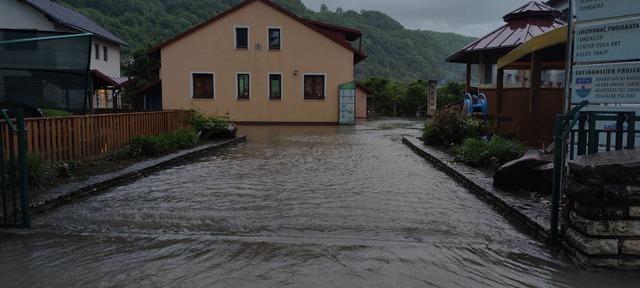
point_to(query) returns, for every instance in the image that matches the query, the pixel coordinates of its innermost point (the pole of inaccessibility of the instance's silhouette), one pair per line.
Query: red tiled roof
(113, 81)
(524, 23)
(314, 25)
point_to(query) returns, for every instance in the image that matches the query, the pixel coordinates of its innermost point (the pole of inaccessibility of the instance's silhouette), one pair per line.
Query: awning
(540, 42)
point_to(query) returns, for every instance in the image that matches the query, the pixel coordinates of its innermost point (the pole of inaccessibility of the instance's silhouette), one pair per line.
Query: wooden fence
(76, 137)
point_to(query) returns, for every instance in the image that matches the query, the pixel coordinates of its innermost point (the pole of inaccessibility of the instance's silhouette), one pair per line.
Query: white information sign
(609, 41)
(607, 83)
(587, 10)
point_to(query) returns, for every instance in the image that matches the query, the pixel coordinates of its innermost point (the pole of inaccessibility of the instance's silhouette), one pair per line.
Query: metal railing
(14, 179)
(586, 140)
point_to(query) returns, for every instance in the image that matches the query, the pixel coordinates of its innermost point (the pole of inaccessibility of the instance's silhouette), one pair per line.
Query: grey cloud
(467, 17)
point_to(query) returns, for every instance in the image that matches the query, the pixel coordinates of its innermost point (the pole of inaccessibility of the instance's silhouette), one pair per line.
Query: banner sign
(587, 10)
(605, 42)
(347, 104)
(607, 83)
(612, 41)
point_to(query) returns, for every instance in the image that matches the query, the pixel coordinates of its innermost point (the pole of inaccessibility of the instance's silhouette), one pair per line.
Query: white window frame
(236, 85)
(235, 37)
(281, 86)
(281, 38)
(191, 85)
(325, 85)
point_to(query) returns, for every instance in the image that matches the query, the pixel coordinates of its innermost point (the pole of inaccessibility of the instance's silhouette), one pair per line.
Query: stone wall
(602, 217)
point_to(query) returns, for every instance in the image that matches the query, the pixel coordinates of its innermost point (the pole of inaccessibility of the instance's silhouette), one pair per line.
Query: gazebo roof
(524, 23)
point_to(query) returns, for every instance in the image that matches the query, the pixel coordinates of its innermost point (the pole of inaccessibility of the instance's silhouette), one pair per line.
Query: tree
(416, 96)
(450, 93)
(142, 72)
(339, 10)
(324, 8)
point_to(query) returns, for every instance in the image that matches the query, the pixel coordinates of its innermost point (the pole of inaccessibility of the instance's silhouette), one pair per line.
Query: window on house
(314, 87)
(242, 37)
(243, 86)
(275, 87)
(97, 51)
(202, 86)
(105, 54)
(275, 38)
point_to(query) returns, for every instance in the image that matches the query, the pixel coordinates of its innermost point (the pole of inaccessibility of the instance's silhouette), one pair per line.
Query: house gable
(19, 15)
(318, 27)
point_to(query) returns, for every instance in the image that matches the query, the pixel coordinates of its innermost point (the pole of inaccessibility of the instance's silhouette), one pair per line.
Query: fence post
(22, 166)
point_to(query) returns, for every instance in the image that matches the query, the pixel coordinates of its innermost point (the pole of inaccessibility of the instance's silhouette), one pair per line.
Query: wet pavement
(296, 206)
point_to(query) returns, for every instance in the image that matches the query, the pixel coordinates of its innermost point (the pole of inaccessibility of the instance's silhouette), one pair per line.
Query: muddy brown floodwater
(295, 206)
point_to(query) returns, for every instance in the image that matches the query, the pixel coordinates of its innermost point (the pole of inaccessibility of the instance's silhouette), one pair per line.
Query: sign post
(603, 69)
(432, 98)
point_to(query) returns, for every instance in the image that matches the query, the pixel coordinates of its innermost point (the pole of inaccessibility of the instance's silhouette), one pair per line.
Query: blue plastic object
(475, 104)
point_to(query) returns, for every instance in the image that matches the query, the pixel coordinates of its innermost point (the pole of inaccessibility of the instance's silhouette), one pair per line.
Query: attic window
(275, 39)
(242, 37)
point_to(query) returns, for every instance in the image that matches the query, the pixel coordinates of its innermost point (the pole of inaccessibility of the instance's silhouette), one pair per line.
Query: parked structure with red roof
(525, 95)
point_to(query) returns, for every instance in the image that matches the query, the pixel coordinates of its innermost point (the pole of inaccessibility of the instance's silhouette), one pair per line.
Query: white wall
(18, 15)
(111, 67)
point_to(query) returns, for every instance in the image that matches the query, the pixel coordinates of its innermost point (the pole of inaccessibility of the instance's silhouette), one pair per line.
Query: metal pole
(569, 60)
(558, 167)
(22, 166)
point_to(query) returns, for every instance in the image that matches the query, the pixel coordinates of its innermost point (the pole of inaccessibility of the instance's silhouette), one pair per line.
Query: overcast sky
(466, 17)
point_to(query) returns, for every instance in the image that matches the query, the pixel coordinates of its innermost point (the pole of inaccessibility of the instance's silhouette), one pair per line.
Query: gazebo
(527, 92)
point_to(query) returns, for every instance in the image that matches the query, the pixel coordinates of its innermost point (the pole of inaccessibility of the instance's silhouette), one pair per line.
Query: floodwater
(296, 206)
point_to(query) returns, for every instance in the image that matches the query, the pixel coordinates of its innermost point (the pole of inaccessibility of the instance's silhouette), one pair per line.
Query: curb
(95, 184)
(536, 226)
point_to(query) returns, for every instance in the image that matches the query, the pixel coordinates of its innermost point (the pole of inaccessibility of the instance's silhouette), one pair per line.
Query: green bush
(148, 146)
(472, 152)
(503, 150)
(209, 126)
(450, 128)
(56, 113)
(35, 166)
(480, 153)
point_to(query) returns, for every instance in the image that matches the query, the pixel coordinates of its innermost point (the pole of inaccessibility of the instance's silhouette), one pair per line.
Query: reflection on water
(298, 206)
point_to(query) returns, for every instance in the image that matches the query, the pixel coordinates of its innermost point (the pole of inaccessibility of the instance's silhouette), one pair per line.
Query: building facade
(259, 63)
(37, 18)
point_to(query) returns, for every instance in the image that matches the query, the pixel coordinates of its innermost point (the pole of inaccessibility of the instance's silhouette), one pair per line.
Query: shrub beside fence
(76, 137)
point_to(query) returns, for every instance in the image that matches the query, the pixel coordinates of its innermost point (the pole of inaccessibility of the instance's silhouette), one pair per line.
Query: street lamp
(130, 63)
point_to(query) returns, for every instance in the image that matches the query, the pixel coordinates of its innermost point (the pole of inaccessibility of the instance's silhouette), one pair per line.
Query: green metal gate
(14, 209)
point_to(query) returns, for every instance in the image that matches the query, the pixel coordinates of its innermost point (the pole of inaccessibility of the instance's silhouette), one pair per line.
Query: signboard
(348, 104)
(587, 10)
(607, 83)
(606, 33)
(610, 41)
(432, 98)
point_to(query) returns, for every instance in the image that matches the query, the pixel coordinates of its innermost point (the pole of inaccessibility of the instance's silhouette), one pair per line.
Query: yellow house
(259, 63)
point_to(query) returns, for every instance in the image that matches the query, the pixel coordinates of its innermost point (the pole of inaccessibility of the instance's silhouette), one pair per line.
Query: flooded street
(295, 206)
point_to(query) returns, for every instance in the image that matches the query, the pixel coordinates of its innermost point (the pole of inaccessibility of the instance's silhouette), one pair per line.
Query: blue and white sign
(587, 10)
(347, 104)
(607, 83)
(608, 41)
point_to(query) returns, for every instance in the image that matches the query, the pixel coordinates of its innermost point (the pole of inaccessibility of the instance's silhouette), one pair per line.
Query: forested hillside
(394, 52)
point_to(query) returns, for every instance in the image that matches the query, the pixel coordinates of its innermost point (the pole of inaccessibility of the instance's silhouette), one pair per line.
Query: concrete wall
(211, 49)
(111, 67)
(361, 103)
(18, 15)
